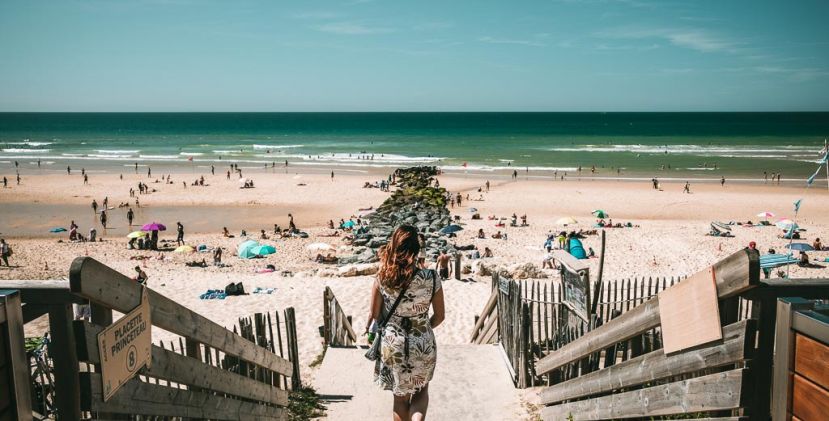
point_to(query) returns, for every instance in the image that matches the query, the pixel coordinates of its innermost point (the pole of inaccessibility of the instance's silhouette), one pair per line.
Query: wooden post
(64, 354)
(766, 308)
(784, 356)
(458, 257)
(17, 364)
(293, 349)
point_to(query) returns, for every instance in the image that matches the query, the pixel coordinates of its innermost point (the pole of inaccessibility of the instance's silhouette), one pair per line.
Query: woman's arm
(437, 307)
(375, 304)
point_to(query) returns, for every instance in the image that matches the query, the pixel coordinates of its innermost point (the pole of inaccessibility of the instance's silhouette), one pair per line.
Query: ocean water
(699, 144)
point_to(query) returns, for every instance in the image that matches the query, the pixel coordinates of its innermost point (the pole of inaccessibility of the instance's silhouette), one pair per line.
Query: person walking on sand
(179, 234)
(5, 251)
(332, 175)
(487, 186)
(722, 181)
(5, 182)
(94, 206)
(687, 188)
(103, 218)
(130, 216)
(68, 170)
(85, 179)
(442, 266)
(408, 356)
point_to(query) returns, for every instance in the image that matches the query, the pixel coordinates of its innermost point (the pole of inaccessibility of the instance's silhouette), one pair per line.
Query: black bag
(373, 352)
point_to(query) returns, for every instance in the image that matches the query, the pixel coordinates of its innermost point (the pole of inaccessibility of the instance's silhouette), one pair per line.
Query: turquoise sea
(699, 144)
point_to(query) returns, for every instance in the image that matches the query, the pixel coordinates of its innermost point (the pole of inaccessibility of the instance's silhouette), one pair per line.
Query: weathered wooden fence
(336, 329)
(726, 379)
(214, 373)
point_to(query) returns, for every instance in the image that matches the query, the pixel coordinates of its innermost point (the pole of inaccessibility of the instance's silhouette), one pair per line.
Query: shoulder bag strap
(394, 306)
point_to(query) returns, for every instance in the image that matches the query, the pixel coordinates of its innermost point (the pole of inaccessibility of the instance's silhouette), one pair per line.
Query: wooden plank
(62, 349)
(140, 398)
(812, 360)
(626, 326)
(99, 283)
(689, 313)
(571, 262)
(812, 323)
(733, 275)
(784, 356)
(50, 291)
(715, 392)
(809, 401)
(16, 361)
(738, 343)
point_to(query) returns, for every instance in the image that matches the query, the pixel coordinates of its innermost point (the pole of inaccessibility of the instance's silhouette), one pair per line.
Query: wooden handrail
(487, 312)
(735, 274)
(107, 287)
(335, 320)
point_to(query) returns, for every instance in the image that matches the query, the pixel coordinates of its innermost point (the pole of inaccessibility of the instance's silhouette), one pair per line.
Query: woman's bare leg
(420, 403)
(401, 408)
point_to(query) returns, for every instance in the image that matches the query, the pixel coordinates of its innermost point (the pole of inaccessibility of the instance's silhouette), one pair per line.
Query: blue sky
(385, 55)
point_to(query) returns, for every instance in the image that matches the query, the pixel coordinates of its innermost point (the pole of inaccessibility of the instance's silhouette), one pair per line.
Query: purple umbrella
(155, 226)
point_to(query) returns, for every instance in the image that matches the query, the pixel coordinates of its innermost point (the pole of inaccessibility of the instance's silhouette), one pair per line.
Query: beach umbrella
(57, 229)
(318, 246)
(245, 249)
(348, 224)
(451, 229)
(137, 234)
(184, 249)
(154, 226)
(568, 220)
(600, 213)
(786, 224)
(800, 247)
(263, 249)
(766, 215)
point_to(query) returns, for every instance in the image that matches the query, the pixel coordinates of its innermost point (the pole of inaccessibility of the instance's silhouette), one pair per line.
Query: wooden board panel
(689, 313)
(137, 397)
(809, 401)
(715, 392)
(104, 285)
(5, 386)
(168, 365)
(656, 365)
(812, 360)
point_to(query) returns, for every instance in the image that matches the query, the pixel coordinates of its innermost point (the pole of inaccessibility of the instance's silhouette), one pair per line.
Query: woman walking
(408, 352)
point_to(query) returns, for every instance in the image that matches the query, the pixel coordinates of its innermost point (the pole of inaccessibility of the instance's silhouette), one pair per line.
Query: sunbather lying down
(332, 234)
(328, 259)
(196, 263)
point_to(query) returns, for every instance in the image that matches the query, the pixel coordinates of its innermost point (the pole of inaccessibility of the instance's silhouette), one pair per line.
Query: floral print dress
(408, 352)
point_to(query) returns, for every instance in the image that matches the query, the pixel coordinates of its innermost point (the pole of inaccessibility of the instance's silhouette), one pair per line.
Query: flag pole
(825, 152)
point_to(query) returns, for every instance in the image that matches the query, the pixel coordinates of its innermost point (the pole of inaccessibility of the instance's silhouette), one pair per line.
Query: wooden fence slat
(137, 397)
(97, 282)
(715, 392)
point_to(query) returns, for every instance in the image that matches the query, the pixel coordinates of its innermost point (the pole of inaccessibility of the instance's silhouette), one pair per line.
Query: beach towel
(259, 290)
(213, 294)
(577, 249)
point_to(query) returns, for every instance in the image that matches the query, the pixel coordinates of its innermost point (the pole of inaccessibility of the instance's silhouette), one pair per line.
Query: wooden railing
(486, 325)
(336, 329)
(725, 379)
(215, 374)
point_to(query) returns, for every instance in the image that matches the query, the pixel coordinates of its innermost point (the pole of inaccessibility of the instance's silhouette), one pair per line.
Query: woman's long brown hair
(398, 258)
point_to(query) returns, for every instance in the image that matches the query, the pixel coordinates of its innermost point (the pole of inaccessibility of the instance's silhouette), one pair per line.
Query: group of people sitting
(609, 224)
(247, 185)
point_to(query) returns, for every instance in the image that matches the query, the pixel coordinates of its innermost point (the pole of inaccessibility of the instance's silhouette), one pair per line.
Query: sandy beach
(668, 238)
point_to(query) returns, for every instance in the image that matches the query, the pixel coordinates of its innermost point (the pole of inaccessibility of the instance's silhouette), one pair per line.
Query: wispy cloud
(691, 38)
(351, 28)
(527, 42)
(314, 15)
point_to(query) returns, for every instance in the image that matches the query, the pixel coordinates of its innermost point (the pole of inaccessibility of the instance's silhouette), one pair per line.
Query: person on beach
(179, 234)
(5, 182)
(332, 175)
(5, 251)
(104, 218)
(18, 179)
(687, 188)
(85, 179)
(442, 265)
(149, 172)
(408, 352)
(130, 215)
(94, 206)
(722, 182)
(68, 170)
(217, 256)
(140, 277)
